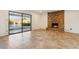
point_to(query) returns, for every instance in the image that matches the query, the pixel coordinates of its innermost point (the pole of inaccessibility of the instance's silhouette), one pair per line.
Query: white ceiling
(42, 11)
(38, 11)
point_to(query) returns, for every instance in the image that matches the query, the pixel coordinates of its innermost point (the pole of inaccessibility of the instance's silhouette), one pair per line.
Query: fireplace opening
(54, 25)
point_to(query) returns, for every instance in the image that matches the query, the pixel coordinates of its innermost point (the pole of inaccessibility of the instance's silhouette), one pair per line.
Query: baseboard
(3, 36)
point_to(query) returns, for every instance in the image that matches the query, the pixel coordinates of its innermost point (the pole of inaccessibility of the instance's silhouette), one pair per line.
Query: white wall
(71, 21)
(44, 21)
(39, 21)
(3, 22)
(35, 21)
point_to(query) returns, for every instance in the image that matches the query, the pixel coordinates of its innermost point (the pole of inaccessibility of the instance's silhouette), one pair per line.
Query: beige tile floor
(40, 39)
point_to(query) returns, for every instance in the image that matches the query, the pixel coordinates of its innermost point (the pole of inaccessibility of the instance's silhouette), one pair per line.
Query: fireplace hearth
(54, 25)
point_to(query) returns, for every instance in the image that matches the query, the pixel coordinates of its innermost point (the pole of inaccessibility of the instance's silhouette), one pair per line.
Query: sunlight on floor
(19, 39)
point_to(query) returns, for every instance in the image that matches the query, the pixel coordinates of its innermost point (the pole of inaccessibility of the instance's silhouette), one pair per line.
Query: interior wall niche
(56, 20)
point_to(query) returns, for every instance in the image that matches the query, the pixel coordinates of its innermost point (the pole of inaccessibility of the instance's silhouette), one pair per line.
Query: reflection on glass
(15, 24)
(26, 23)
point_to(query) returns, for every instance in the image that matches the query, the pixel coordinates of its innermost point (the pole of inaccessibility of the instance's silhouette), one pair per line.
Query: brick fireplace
(56, 20)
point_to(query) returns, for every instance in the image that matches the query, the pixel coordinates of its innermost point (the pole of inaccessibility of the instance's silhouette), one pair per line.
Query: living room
(44, 30)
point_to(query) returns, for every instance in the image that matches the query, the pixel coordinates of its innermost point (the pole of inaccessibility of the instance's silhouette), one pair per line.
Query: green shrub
(26, 24)
(10, 22)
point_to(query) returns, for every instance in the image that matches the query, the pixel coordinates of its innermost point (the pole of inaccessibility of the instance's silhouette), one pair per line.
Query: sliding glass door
(19, 22)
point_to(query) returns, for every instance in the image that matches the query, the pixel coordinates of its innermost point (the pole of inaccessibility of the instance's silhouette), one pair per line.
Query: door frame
(21, 21)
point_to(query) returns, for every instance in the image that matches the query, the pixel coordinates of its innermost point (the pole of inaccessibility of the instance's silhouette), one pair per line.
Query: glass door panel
(26, 22)
(15, 24)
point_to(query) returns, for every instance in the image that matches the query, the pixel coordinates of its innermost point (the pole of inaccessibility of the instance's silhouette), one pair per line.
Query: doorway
(19, 22)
